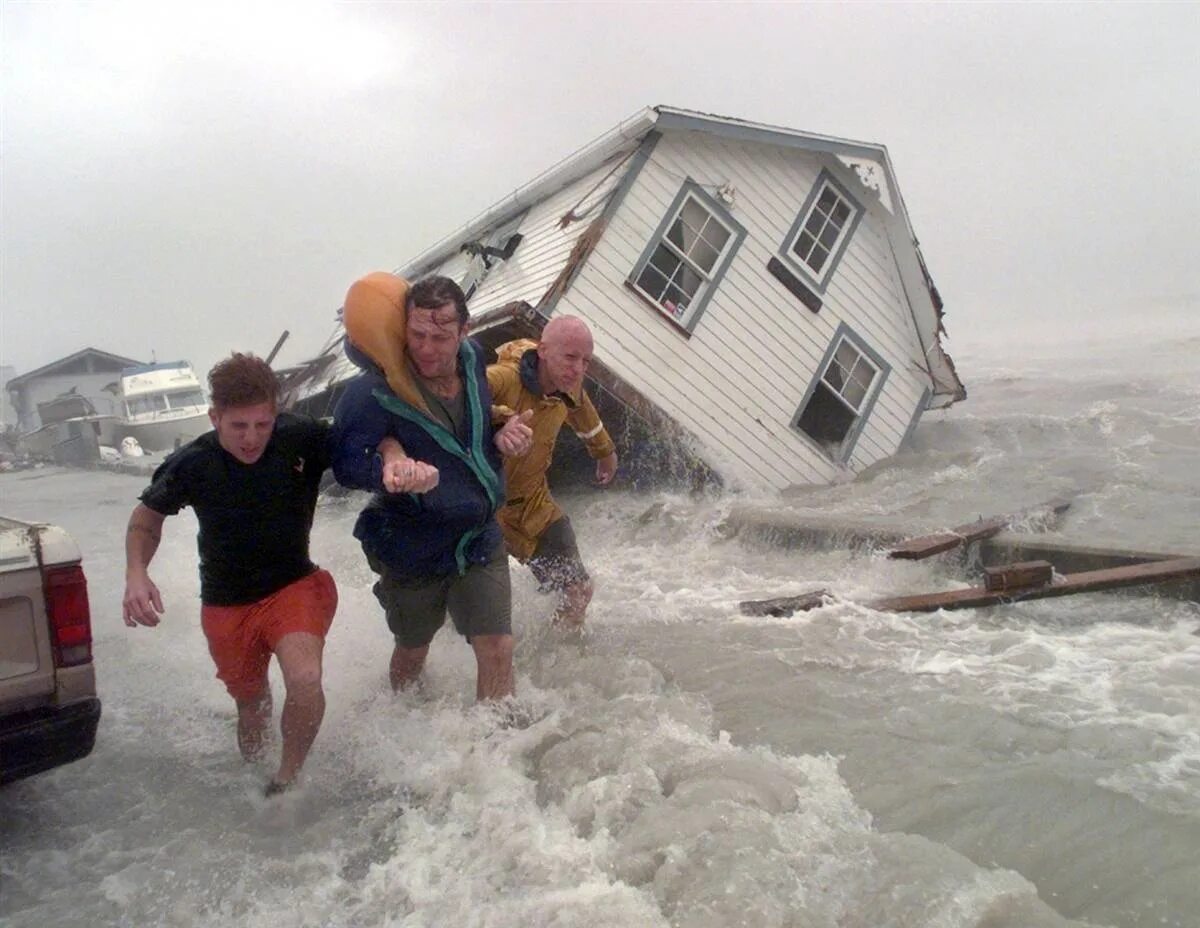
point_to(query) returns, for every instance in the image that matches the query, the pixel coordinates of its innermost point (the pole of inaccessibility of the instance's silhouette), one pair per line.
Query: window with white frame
(147, 403)
(819, 236)
(183, 398)
(840, 399)
(688, 256)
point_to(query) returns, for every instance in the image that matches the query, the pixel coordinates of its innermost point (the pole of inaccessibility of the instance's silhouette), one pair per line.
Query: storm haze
(182, 180)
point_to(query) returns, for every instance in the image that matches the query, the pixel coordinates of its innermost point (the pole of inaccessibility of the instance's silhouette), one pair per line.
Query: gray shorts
(479, 602)
(556, 562)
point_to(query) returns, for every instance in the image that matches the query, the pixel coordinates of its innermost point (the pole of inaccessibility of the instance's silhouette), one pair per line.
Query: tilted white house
(754, 291)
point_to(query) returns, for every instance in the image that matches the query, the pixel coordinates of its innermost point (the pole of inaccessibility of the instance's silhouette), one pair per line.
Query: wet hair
(434, 292)
(242, 380)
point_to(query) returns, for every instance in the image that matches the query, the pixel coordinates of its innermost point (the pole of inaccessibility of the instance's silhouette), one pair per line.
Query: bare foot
(274, 788)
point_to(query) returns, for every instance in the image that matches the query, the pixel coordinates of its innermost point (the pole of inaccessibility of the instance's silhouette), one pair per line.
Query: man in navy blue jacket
(416, 428)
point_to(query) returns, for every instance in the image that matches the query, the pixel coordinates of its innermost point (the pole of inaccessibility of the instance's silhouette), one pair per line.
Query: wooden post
(278, 344)
(1015, 576)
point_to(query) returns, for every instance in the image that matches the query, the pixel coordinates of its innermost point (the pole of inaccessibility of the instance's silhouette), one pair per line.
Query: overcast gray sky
(183, 179)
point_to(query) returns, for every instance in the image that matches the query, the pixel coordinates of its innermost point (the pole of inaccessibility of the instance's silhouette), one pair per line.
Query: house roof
(626, 135)
(922, 296)
(48, 369)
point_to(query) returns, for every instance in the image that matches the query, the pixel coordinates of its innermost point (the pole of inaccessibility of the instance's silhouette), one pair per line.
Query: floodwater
(1024, 766)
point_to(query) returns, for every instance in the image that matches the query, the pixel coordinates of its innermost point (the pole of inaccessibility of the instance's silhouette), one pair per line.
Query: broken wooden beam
(1092, 581)
(786, 605)
(1016, 576)
(916, 549)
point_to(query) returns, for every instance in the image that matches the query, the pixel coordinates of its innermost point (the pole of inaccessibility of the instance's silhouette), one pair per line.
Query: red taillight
(70, 617)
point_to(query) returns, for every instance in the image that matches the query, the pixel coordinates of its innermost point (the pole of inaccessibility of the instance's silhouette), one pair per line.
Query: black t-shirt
(254, 518)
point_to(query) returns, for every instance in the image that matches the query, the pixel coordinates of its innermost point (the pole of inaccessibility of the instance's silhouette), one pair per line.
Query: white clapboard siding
(737, 381)
(696, 380)
(458, 267)
(545, 246)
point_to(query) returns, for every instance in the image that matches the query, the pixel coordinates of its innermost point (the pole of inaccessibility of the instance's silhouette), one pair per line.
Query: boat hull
(164, 434)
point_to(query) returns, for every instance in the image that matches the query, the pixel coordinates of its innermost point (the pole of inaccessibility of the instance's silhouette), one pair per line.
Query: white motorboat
(164, 405)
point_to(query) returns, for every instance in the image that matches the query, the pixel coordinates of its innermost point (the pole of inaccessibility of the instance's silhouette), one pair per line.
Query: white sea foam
(682, 764)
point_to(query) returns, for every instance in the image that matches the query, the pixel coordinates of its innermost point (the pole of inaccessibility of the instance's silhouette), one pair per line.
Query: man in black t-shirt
(253, 484)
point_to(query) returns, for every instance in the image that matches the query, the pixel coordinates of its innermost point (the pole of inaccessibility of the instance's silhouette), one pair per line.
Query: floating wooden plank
(1015, 576)
(1091, 581)
(916, 549)
(785, 605)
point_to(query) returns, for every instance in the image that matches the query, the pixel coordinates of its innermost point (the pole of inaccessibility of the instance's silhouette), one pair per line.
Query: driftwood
(916, 549)
(1086, 582)
(786, 605)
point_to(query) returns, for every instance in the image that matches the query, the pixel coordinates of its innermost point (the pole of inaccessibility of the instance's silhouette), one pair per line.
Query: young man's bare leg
(493, 655)
(406, 666)
(572, 605)
(254, 715)
(299, 656)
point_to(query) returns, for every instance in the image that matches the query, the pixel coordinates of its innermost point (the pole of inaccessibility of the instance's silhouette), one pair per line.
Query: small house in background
(759, 303)
(67, 387)
(8, 414)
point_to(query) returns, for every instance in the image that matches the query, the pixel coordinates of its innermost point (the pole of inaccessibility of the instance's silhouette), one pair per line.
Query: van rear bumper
(40, 739)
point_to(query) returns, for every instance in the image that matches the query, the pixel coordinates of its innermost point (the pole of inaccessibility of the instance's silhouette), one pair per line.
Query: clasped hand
(407, 475)
(515, 437)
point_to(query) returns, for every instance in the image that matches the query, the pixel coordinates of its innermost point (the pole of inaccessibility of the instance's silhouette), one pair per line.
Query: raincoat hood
(375, 316)
(512, 352)
(522, 355)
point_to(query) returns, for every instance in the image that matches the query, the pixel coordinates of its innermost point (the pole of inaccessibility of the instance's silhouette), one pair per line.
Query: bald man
(546, 377)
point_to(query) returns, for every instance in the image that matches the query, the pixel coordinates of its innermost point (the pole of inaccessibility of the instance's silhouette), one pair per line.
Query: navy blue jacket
(432, 534)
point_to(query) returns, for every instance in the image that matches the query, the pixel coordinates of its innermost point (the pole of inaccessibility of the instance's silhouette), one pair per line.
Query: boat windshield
(149, 402)
(186, 398)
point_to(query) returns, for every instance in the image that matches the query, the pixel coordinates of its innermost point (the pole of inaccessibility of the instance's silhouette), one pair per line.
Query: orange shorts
(241, 639)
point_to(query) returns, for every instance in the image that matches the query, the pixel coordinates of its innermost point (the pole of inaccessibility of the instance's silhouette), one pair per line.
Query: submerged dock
(998, 549)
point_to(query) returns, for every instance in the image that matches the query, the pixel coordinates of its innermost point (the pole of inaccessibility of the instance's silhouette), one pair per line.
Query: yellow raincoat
(530, 508)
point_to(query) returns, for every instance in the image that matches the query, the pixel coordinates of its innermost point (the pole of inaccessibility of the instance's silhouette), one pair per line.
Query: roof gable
(624, 137)
(79, 362)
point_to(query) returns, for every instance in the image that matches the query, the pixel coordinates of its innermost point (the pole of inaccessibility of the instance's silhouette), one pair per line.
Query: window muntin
(687, 257)
(850, 375)
(819, 236)
(841, 397)
(822, 230)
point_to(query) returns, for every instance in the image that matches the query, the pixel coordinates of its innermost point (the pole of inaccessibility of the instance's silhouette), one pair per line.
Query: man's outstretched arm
(591, 431)
(142, 604)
